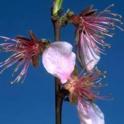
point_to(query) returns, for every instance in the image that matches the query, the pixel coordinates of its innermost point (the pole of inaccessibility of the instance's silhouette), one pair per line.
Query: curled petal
(88, 52)
(59, 60)
(90, 113)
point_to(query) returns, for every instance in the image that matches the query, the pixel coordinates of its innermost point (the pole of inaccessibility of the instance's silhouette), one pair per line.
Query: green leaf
(57, 6)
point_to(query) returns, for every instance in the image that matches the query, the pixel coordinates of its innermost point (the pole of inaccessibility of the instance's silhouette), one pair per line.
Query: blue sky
(33, 101)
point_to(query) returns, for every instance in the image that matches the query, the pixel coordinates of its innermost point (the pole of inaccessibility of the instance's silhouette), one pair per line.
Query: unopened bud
(57, 6)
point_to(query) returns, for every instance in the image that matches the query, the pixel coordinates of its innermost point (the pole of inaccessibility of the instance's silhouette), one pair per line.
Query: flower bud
(56, 7)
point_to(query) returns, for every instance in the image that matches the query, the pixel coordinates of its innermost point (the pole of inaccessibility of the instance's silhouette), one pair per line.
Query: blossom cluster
(59, 59)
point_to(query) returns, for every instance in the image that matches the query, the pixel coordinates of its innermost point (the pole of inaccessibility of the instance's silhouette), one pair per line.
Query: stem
(57, 30)
(58, 94)
(58, 103)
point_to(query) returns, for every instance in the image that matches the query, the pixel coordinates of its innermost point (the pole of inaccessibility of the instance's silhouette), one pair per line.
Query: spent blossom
(82, 90)
(92, 26)
(24, 51)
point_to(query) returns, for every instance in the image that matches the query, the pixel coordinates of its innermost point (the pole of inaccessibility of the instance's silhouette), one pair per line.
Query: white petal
(59, 60)
(91, 114)
(88, 53)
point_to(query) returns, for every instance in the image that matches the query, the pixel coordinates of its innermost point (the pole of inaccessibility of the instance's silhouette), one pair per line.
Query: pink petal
(88, 52)
(90, 114)
(59, 60)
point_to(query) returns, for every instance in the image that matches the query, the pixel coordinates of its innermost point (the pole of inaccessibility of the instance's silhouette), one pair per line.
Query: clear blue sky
(33, 101)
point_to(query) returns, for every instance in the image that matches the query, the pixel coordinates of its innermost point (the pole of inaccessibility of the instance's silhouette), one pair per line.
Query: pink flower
(92, 27)
(24, 52)
(59, 60)
(82, 90)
